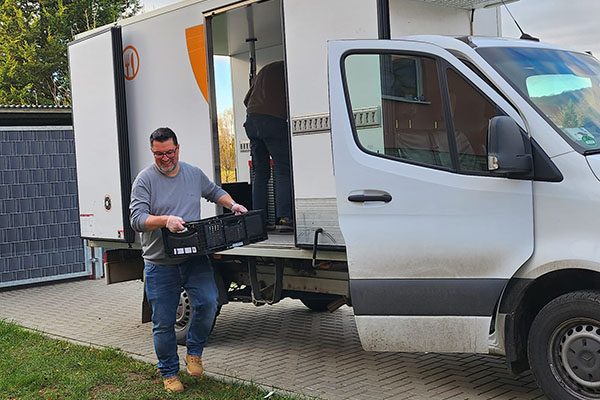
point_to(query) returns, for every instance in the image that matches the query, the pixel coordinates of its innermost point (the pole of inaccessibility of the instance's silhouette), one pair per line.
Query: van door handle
(361, 198)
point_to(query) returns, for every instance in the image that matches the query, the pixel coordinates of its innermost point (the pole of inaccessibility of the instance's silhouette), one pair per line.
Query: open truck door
(101, 136)
(128, 81)
(432, 235)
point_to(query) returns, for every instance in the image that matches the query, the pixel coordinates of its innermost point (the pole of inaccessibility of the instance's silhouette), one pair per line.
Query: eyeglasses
(160, 154)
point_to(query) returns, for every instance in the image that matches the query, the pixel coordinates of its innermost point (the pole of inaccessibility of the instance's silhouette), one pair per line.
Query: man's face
(166, 155)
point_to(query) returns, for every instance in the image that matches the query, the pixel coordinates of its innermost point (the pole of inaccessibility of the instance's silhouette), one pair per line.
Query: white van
(444, 186)
(467, 212)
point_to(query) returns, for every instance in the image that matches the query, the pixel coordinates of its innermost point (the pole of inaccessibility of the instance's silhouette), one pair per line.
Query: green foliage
(16, 51)
(570, 117)
(33, 44)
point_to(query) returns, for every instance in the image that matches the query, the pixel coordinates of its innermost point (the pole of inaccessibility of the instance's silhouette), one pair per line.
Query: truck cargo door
(101, 136)
(432, 236)
(161, 67)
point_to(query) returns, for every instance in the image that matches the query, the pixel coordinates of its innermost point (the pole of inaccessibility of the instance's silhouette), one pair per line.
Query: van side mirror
(509, 149)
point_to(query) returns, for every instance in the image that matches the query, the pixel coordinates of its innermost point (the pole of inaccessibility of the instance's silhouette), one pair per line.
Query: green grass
(33, 366)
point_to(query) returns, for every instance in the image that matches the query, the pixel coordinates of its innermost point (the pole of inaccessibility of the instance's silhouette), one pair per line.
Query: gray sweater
(154, 193)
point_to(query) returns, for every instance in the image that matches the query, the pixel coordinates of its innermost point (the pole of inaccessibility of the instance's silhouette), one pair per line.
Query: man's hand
(239, 209)
(175, 223)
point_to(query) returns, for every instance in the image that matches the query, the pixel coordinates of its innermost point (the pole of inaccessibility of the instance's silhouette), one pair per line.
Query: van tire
(564, 347)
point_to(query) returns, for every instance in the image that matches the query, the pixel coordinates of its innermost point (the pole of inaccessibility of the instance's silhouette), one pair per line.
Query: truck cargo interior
(249, 37)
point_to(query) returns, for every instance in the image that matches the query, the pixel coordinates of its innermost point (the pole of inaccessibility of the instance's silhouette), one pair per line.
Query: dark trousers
(269, 137)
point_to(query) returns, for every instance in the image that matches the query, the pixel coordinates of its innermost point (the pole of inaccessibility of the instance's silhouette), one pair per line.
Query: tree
(227, 146)
(16, 53)
(572, 116)
(569, 117)
(33, 44)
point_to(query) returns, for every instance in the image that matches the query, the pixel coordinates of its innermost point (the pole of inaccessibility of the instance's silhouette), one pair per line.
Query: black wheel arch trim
(524, 298)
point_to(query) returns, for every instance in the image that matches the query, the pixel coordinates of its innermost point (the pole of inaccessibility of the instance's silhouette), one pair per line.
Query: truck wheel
(564, 347)
(316, 305)
(184, 317)
(318, 302)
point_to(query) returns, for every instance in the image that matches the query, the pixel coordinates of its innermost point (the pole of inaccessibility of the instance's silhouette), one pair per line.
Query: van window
(564, 86)
(406, 91)
(471, 114)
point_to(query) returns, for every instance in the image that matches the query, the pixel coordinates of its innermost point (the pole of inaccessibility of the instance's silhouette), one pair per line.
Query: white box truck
(444, 186)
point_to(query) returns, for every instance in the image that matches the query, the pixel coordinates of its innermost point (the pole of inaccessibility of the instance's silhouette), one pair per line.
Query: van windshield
(564, 86)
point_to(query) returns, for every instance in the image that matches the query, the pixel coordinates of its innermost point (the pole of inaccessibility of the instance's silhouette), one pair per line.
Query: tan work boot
(194, 365)
(173, 384)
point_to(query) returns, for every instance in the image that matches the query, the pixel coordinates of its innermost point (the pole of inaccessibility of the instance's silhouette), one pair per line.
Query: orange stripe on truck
(194, 38)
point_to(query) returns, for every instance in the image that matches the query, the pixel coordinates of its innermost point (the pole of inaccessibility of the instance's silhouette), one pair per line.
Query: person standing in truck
(266, 127)
(166, 194)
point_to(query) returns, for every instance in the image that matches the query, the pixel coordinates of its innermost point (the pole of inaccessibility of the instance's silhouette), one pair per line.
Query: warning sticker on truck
(88, 225)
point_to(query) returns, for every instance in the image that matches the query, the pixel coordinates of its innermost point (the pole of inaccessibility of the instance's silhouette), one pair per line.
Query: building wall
(39, 219)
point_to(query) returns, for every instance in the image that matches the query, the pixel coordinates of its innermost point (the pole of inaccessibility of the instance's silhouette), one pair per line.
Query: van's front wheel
(564, 347)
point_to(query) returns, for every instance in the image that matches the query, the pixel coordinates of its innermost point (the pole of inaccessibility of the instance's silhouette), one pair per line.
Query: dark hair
(162, 135)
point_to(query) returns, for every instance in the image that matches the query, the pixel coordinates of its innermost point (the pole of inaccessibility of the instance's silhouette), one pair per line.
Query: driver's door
(432, 236)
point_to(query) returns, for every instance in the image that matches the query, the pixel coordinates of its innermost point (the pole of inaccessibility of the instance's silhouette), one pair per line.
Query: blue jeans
(163, 285)
(269, 137)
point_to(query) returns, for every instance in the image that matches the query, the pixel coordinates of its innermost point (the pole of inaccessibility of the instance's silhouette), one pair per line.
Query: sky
(223, 84)
(568, 23)
(572, 24)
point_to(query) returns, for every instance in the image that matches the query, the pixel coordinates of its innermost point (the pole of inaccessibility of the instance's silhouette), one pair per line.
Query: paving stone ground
(285, 346)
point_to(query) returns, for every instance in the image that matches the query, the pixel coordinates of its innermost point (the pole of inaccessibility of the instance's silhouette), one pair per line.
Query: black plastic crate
(215, 234)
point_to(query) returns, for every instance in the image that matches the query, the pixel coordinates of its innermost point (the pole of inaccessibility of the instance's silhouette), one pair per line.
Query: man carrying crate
(165, 195)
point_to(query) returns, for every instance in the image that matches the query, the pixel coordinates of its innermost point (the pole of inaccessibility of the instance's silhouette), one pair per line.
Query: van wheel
(564, 347)
(184, 317)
